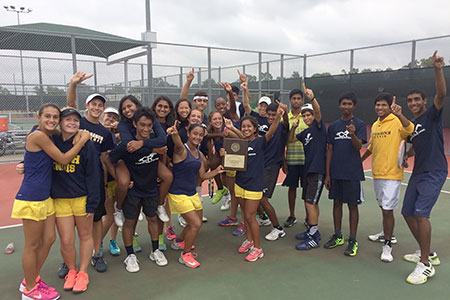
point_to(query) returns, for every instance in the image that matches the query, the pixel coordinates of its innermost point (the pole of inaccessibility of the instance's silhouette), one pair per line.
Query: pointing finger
(393, 100)
(351, 122)
(239, 72)
(304, 86)
(435, 52)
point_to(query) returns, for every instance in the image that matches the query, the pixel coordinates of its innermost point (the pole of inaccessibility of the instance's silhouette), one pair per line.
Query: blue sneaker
(113, 248)
(101, 249)
(304, 235)
(162, 247)
(308, 244)
(240, 231)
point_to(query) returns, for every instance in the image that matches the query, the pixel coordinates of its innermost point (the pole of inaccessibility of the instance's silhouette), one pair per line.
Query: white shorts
(387, 192)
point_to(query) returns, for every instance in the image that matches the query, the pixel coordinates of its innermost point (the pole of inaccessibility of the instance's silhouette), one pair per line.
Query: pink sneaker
(39, 293)
(70, 279)
(38, 281)
(245, 247)
(170, 233)
(188, 259)
(255, 254)
(179, 245)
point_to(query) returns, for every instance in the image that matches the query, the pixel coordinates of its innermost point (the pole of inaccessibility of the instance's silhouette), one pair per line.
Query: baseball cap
(264, 99)
(307, 106)
(92, 96)
(111, 110)
(69, 111)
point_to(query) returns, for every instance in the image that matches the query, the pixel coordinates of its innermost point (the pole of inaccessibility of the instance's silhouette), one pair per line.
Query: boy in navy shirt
(314, 140)
(344, 171)
(143, 167)
(429, 173)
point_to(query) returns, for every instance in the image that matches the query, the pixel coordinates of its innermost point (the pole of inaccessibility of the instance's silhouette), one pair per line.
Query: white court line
(10, 226)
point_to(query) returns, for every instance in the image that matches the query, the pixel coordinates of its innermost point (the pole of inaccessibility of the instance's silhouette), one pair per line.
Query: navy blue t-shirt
(263, 123)
(275, 147)
(100, 136)
(346, 161)
(143, 167)
(428, 142)
(314, 140)
(253, 179)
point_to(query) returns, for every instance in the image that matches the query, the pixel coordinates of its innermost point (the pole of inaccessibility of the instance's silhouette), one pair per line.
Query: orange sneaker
(70, 279)
(188, 259)
(81, 283)
(245, 247)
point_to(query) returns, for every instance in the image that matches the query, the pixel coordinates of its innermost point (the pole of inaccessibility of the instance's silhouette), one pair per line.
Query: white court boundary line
(405, 184)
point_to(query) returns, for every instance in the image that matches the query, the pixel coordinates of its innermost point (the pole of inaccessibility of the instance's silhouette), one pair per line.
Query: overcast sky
(295, 27)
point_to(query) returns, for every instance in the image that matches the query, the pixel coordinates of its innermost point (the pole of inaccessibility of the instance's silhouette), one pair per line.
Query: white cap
(307, 106)
(92, 96)
(264, 99)
(111, 110)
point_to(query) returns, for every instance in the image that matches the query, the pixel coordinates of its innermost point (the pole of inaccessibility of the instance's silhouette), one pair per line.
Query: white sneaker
(421, 274)
(119, 218)
(386, 253)
(141, 216)
(182, 221)
(379, 237)
(131, 263)
(159, 258)
(263, 222)
(226, 202)
(204, 219)
(162, 214)
(275, 234)
(415, 258)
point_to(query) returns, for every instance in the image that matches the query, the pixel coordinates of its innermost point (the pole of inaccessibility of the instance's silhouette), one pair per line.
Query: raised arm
(227, 87)
(397, 111)
(185, 90)
(42, 140)
(246, 98)
(291, 137)
(285, 115)
(441, 88)
(356, 142)
(273, 127)
(309, 94)
(77, 78)
(179, 152)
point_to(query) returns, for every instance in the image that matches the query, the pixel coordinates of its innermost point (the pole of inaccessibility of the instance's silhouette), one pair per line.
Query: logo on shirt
(250, 149)
(418, 130)
(342, 135)
(152, 157)
(96, 138)
(263, 128)
(69, 168)
(308, 139)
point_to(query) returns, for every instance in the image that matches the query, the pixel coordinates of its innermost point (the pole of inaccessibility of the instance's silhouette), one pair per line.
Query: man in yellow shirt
(390, 129)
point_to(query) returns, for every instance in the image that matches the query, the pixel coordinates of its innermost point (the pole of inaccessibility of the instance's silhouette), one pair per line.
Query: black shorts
(100, 211)
(295, 173)
(270, 179)
(312, 186)
(131, 206)
(347, 191)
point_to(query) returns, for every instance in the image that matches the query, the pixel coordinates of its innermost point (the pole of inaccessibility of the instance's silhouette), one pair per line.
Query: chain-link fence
(30, 78)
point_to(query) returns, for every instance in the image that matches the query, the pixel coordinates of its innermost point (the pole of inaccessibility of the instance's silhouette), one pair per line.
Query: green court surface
(283, 273)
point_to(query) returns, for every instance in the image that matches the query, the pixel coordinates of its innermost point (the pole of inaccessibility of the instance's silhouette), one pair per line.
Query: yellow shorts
(111, 189)
(181, 204)
(66, 207)
(33, 210)
(231, 173)
(244, 194)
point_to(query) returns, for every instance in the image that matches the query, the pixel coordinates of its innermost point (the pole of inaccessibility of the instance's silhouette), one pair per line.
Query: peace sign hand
(242, 77)
(438, 61)
(282, 105)
(226, 86)
(395, 108)
(244, 86)
(190, 75)
(173, 129)
(309, 94)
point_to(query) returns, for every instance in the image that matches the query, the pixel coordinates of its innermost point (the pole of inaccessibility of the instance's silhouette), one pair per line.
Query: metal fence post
(199, 78)
(95, 75)
(281, 77)
(259, 73)
(74, 58)
(413, 55)
(220, 74)
(304, 66)
(149, 74)
(352, 60)
(267, 76)
(181, 77)
(243, 69)
(125, 75)
(142, 75)
(209, 80)
(41, 88)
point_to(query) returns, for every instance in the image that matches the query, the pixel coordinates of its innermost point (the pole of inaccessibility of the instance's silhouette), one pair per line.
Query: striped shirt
(294, 153)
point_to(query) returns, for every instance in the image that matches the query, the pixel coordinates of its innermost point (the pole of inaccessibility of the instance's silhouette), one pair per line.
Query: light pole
(19, 11)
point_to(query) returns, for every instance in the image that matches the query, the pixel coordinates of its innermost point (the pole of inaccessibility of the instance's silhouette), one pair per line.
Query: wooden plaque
(237, 154)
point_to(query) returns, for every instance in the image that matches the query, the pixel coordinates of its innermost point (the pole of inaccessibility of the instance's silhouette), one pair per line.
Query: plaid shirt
(295, 154)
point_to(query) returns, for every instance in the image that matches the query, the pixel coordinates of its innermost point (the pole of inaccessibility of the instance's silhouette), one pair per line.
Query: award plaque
(236, 155)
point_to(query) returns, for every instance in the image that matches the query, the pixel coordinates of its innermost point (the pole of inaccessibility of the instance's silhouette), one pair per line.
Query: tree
(266, 76)
(4, 91)
(422, 63)
(321, 74)
(295, 74)
(49, 91)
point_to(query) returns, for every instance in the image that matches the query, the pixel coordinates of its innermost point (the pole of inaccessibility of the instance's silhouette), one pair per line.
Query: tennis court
(283, 273)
